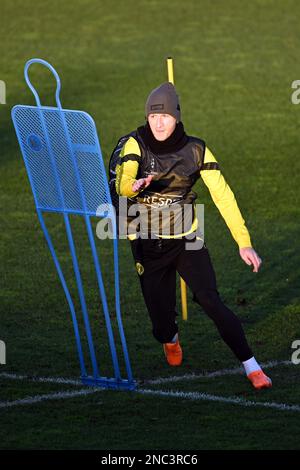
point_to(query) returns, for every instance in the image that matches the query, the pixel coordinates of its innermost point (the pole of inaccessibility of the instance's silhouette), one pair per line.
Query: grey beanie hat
(163, 100)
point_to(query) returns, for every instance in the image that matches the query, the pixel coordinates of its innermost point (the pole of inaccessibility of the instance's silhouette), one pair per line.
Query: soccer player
(157, 168)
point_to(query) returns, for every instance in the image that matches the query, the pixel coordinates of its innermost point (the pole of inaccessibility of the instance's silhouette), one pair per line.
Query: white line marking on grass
(159, 380)
(49, 396)
(217, 373)
(196, 396)
(56, 380)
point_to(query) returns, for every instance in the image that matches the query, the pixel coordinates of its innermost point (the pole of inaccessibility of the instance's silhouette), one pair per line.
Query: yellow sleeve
(127, 169)
(225, 201)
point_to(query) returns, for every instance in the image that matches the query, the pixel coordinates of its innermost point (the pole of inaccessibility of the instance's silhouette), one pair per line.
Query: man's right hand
(141, 183)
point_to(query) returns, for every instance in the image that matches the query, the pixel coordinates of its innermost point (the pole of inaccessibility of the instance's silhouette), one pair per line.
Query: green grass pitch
(234, 65)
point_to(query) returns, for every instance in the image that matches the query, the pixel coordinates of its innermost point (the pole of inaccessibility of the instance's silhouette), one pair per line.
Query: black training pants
(161, 258)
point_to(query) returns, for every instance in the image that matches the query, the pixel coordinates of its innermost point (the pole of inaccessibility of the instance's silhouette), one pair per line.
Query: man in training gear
(157, 169)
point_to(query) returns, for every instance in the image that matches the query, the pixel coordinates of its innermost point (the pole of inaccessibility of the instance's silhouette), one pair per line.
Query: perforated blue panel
(63, 159)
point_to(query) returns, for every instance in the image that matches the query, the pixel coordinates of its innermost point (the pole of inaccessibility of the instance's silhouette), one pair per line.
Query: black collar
(175, 142)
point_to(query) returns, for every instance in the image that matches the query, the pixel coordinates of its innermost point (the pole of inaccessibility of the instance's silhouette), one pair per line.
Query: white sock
(251, 365)
(174, 339)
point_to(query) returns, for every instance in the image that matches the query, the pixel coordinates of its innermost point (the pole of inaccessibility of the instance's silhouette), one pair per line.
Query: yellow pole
(170, 68)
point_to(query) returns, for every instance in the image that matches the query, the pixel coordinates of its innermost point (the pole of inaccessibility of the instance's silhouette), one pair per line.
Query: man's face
(162, 125)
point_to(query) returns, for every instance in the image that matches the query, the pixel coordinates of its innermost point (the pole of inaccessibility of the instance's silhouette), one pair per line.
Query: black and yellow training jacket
(176, 167)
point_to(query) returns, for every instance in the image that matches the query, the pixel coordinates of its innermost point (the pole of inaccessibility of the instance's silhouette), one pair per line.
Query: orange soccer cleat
(259, 379)
(173, 353)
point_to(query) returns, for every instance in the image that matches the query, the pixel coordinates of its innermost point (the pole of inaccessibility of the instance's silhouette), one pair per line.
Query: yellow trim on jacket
(225, 201)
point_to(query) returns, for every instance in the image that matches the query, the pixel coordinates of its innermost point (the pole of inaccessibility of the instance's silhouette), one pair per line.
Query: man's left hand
(250, 256)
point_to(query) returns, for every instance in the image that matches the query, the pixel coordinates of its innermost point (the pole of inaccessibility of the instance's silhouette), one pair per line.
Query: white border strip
(49, 396)
(196, 396)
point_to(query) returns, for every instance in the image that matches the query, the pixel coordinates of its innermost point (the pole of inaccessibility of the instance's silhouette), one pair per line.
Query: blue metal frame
(52, 185)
